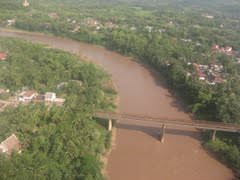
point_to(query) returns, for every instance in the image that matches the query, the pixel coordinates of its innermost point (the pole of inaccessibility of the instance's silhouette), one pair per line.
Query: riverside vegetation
(58, 142)
(167, 35)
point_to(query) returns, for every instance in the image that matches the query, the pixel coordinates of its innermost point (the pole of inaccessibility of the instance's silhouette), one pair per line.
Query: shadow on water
(104, 122)
(156, 131)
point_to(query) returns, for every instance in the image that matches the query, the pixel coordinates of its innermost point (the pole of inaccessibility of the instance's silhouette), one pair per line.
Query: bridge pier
(205, 125)
(214, 135)
(162, 135)
(109, 125)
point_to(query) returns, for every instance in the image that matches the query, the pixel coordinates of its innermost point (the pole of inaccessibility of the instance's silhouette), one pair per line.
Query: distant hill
(229, 7)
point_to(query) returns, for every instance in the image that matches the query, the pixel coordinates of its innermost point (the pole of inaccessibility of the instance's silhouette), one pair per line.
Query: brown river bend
(137, 153)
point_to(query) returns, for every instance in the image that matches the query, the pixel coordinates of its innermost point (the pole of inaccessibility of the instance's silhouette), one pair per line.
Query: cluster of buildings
(228, 50)
(12, 143)
(32, 96)
(212, 73)
(28, 96)
(98, 25)
(92, 23)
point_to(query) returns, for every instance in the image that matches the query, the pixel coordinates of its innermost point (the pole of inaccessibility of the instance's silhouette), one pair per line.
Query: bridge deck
(209, 125)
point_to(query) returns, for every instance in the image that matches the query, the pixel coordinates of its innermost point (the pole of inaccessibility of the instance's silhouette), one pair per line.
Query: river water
(137, 153)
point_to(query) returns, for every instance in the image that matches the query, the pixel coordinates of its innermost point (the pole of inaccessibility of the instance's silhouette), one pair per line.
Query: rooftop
(10, 144)
(3, 56)
(50, 95)
(28, 93)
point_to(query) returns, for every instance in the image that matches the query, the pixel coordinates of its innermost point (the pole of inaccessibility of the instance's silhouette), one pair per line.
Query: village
(12, 144)
(89, 22)
(29, 96)
(213, 73)
(26, 96)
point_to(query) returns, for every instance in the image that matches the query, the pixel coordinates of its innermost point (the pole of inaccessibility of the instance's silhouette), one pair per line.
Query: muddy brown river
(137, 153)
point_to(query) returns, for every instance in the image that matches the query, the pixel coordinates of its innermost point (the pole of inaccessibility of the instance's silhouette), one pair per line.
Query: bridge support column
(109, 125)
(162, 135)
(214, 135)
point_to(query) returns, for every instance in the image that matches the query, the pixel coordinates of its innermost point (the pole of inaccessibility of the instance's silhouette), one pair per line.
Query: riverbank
(59, 137)
(106, 155)
(138, 153)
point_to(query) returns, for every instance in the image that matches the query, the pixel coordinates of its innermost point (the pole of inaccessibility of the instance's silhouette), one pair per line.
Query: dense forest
(58, 142)
(167, 35)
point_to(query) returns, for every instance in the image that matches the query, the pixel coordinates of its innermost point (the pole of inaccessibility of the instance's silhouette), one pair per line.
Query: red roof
(2, 56)
(28, 93)
(10, 144)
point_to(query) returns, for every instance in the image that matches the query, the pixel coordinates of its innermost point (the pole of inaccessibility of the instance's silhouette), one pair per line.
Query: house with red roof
(10, 144)
(27, 96)
(3, 56)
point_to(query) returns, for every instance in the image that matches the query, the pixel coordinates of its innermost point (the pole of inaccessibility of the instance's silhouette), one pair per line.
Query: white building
(10, 22)
(50, 96)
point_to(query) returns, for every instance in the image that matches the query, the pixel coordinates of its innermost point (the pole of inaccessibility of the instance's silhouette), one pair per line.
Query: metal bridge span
(199, 124)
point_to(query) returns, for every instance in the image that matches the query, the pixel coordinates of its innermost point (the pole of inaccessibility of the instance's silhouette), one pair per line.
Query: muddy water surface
(138, 155)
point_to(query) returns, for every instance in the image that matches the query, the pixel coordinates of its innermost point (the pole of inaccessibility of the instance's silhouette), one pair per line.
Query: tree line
(58, 142)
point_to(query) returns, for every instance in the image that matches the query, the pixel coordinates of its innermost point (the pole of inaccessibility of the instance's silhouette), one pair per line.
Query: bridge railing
(121, 117)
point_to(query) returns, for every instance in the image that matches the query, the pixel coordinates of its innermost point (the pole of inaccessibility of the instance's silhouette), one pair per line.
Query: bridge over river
(135, 155)
(164, 121)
